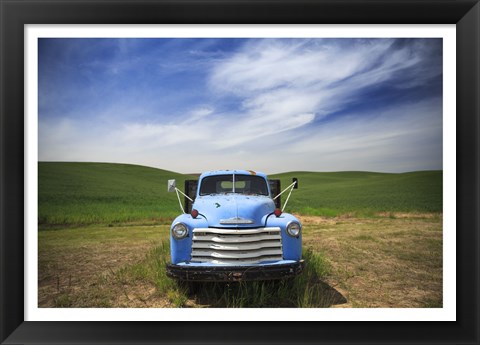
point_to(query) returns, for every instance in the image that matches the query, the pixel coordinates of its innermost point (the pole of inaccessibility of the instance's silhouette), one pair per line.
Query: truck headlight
(293, 229)
(179, 231)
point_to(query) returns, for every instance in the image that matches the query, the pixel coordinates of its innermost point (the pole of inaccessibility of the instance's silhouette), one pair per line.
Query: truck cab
(233, 229)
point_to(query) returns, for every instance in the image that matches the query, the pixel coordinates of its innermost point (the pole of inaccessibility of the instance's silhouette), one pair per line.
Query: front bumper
(223, 273)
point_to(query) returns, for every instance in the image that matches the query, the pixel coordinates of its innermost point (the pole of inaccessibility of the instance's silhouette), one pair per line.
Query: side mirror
(295, 186)
(171, 186)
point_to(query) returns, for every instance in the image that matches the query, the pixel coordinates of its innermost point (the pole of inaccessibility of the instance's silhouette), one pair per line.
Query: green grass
(304, 291)
(101, 193)
(104, 193)
(364, 194)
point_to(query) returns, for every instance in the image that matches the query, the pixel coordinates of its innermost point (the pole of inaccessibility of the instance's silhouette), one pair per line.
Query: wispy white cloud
(283, 78)
(400, 138)
(287, 96)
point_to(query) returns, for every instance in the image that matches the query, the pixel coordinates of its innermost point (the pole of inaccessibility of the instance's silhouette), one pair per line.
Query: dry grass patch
(79, 267)
(382, 262)
(391, 261)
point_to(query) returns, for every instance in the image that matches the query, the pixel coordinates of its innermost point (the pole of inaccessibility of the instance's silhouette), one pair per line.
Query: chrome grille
(236, 246)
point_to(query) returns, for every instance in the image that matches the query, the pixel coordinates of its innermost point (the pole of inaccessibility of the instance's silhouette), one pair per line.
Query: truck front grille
(236, 246)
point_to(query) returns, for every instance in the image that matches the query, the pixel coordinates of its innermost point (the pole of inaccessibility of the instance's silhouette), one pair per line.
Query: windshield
(244, 184)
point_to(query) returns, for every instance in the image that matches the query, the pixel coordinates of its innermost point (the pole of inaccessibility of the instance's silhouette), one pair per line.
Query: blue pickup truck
(234, 229)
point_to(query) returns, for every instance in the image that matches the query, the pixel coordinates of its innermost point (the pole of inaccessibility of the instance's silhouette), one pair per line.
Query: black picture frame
(15, 14)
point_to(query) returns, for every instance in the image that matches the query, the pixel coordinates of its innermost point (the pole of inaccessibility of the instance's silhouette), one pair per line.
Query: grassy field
(390, 262)
(99, 193)
(364, 193)
(351, 262)
(125, 267)
(370, 240)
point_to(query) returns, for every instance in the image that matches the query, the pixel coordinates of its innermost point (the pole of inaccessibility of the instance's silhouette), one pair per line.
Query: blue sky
(273, 105)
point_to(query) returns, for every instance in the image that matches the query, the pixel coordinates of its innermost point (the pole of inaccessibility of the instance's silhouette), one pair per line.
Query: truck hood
(234, 210)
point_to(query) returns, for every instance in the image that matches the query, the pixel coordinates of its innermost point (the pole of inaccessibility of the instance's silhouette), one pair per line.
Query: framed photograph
(419, 62)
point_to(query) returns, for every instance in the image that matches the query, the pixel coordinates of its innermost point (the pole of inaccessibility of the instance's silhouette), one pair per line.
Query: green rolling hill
(87, 193)
(364, 193)
(104, 193)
